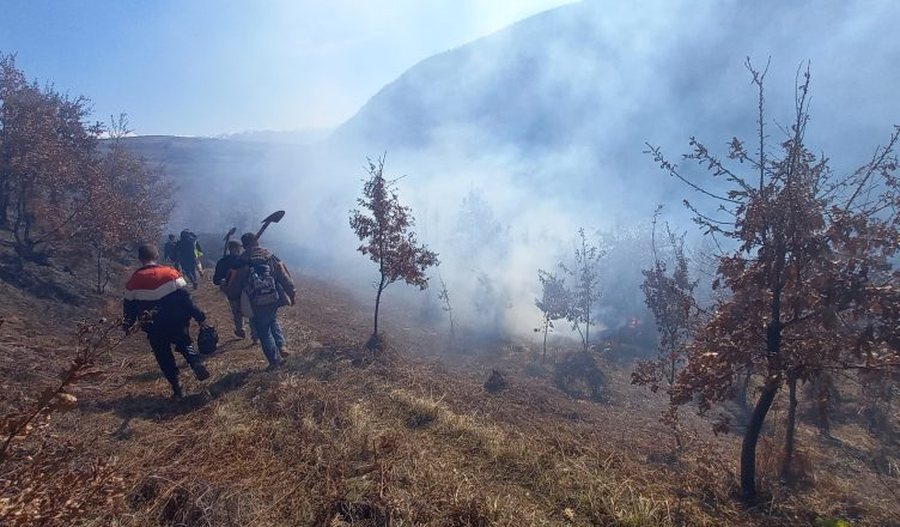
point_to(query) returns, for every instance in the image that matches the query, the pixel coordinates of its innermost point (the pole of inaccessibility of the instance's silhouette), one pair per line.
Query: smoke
(512, 142)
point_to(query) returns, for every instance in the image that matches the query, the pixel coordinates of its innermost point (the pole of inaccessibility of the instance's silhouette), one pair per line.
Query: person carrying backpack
(157, 298)
(224, 266)
(187, 248)
(264, 285)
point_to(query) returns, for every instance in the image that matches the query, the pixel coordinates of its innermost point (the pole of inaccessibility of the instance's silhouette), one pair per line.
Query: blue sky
(203, 67)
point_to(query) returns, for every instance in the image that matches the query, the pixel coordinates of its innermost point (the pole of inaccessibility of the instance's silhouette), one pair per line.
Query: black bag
(207, 340)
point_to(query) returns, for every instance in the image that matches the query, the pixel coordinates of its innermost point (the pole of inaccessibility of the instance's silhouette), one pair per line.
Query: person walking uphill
(156, 296)
(264, 284)
(187, 249)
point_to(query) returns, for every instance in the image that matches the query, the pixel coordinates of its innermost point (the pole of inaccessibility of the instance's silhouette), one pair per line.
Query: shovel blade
(275, 217)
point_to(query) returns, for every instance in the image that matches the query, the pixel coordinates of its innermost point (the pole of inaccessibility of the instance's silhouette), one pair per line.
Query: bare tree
(130, 202)
(585, 290)
(444, 297)
(554, 303)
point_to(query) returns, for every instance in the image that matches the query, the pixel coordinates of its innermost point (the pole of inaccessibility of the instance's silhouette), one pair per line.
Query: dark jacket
(158, 293)
(259, 255)
(187, 249)
(170, 251)
(223, 267)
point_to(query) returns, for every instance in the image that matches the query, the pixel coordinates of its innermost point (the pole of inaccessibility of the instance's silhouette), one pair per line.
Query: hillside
(560, 106)
(571, 95)
(337, 439)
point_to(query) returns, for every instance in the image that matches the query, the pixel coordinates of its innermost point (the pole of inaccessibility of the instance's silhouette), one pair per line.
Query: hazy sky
(205, 67)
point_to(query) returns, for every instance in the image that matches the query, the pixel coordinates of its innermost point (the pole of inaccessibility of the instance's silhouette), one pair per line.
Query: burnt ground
(408, 437)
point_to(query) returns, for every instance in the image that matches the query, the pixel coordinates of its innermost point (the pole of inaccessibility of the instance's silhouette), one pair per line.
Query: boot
(176, 391)
(200, 371)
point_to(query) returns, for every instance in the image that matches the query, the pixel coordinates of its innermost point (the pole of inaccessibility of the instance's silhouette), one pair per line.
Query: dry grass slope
(338, 439)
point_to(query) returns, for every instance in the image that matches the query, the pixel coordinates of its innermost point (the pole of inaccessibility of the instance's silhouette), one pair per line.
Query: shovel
(275, 217)
(227, 239)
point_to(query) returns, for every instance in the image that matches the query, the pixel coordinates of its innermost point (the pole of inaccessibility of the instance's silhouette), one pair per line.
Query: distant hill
(218, 181)
(548, 118)
(574, 93)
(291, 137)
(561, 104)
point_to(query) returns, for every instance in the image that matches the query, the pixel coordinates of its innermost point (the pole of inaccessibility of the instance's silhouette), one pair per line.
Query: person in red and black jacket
(157, 298)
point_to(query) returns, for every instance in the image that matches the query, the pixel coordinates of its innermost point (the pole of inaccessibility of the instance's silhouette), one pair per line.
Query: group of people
(254, 280)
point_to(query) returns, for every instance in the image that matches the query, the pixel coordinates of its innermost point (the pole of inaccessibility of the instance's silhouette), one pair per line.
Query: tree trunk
(546, 330)
(822, 394)
(790, 430)
(751, 437)
(587, 329)
(378, 303)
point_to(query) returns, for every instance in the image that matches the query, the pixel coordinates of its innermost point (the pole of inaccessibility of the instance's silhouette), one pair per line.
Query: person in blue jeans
(264, 285)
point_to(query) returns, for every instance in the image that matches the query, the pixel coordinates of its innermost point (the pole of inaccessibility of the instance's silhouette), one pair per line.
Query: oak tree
(807, 265)
(130, 202)
(47, 158)
(384, 226)
(669, 294)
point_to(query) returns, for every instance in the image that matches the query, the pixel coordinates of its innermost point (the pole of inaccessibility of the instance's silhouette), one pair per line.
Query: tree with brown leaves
(59, 189)
(47, 156)
(670, 297)
(130, 202)
(385, 230)
(807, 270)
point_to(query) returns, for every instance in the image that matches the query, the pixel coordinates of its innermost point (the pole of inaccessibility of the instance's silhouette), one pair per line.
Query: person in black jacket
(224, 266)
(157, 298)
(187, 248)
(170, 252)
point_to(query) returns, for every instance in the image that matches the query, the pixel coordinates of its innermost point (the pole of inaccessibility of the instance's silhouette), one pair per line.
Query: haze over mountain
(571, 95)
(588, 84)
(543, 126)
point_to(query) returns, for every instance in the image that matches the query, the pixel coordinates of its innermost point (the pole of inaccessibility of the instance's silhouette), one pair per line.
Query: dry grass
(336, 439)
